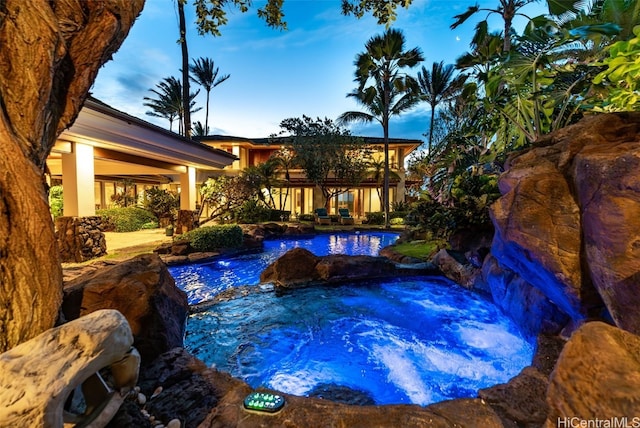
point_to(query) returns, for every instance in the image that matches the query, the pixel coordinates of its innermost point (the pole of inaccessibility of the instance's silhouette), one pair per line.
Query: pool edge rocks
(299, 267)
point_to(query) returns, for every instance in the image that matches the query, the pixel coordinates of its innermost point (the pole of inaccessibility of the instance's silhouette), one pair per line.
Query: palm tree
(199, 130)
(509, 9)
(186, 99)
(204, 73)
(438, 85)
(168, 103)
(383, 89)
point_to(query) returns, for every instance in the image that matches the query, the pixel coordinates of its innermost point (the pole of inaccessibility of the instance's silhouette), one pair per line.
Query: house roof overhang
(408, 145)
(133, 146)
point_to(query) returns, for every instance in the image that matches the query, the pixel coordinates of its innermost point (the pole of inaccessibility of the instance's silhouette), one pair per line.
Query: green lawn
(420, 249)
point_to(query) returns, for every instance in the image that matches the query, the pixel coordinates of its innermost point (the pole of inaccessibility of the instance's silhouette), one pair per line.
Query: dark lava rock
(342, 394)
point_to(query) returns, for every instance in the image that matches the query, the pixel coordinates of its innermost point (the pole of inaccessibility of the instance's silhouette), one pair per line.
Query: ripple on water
(418, 340)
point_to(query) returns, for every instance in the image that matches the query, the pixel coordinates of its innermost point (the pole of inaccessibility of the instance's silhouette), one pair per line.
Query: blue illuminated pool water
(411, 340)
(203, 281)
(419, 340)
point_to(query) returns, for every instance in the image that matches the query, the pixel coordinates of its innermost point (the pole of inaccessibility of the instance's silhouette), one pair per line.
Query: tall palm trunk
(385, 127)
(186, 101)
(206, 117)
(509, 12)
(431, 124)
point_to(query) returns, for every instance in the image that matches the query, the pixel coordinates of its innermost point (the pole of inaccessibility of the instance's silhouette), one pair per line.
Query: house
(301, 196)
(106, 149)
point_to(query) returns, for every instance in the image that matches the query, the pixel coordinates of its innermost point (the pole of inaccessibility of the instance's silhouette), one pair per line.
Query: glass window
(346, 200)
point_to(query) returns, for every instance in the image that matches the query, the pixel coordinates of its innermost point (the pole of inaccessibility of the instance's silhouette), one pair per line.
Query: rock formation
(144, 292)
(37, 376)
(299, 267)
(191, 388)
(597, 377)
(567, 223)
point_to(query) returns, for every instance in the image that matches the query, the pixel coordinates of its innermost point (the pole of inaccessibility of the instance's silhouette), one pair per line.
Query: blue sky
(307, 69)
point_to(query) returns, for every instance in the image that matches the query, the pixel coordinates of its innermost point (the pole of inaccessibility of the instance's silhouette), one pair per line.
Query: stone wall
(80, 238)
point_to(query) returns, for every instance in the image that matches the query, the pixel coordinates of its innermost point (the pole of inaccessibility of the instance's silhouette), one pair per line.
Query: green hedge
(210, 238)
(127, 219)
(56, 201)
(306, 217)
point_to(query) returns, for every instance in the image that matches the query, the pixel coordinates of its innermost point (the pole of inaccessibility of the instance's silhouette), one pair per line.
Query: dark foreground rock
(143, 290)
(203, 397)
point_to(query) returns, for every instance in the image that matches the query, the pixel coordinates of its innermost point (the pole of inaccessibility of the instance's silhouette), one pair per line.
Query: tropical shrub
(471, 196)
(435, 217)
(306, 217)
(224, 196)
(127, 219)
(397, 221)
(162, 203)
(252, 211)
(374, 218)
(150, 225)
(279, 215)
(400, 206)
(210, 238)
(622, 75)
(56, 201)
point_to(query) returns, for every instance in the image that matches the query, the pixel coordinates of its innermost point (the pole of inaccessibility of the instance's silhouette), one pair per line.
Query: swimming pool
(414, 340)
(203, 281)
(406, 341)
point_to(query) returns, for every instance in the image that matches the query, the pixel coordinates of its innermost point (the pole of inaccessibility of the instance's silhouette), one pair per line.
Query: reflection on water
(203, 281)
(418, 340)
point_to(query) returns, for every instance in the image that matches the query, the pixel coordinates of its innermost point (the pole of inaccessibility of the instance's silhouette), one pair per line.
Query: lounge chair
(345, 216)
(321, 216)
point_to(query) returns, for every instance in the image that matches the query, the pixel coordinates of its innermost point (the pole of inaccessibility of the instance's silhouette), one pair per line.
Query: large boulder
(607, 178)
(293, 268)
(299, 267)
(537, 224)
(457, 268)
(597, 376)
(343, 268)
(144, 291)
(568, 219)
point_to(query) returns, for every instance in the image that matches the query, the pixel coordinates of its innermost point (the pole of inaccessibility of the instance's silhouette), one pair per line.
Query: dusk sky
(307, 69)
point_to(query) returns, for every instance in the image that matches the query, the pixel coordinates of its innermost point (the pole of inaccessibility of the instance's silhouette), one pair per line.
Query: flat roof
(103, 126)
(276, 141)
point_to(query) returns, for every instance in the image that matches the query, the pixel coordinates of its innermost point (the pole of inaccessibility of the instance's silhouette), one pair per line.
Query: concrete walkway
(117, 240)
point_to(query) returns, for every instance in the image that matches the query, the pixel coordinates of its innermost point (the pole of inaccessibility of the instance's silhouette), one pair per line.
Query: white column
(188, 195)
(240, 163)
(78, 181)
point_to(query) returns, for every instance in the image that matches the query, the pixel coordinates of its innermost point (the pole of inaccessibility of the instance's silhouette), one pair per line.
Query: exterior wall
(304, 198)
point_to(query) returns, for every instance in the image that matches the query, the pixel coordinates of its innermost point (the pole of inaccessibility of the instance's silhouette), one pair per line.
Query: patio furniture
(345, 216)
(321, 216)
